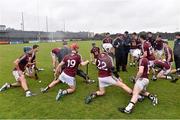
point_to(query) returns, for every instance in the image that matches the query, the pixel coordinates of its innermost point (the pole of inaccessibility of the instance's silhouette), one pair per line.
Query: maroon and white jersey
(72, 62)
(146, 46)
(95, 51)
(168, 52)
(163, 65)
(108, 40)
(158, 45)
(55, 51)
(144, 62)
(104, 64)
(23, 61)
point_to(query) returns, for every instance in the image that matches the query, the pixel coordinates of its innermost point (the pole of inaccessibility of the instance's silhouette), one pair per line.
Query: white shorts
(16, 75)
(159, 53)
(142, 83)
(106, 81)
(151, 63)
(67, 79)
(165, 72)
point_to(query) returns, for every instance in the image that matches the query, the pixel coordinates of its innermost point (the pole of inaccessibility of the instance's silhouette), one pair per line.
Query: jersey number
(71, 63)
(101, 65)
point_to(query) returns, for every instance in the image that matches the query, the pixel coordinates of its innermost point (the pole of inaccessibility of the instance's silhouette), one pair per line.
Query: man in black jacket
(177, 52)
(127, 41)
(119, 45)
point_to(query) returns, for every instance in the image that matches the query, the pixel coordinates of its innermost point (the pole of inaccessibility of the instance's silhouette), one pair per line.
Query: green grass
(14, 104)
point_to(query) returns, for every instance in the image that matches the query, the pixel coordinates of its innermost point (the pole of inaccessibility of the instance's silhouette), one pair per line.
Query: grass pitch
(14, 104)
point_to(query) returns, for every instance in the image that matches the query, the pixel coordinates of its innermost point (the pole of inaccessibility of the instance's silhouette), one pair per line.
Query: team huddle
(151, 57)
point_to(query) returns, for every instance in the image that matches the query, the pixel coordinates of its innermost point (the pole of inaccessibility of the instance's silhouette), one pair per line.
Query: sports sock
(168, 77)
(130, 106)
(151, 97)
(28, 91)
(64, 92)
(93, 95)
(47, 88)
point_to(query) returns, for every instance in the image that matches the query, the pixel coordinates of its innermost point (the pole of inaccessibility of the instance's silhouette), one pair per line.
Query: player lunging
(141, 82)
(20, 65)
(106, 68)
(67, 76)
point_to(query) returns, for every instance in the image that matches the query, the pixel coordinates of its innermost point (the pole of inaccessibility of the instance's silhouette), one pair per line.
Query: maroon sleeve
(80, 59)
(143, 62)
(146, 47)
(65, 59)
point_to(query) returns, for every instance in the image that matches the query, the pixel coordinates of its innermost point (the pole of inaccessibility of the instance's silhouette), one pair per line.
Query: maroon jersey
(168, 51)
(56, 51)
(158, 44)
(95, 51)
(133, 44)
(146, 46)
(23, 61)
(108, 40)
(104, 64)
(72, 62)
(163, 65)
(144, 62)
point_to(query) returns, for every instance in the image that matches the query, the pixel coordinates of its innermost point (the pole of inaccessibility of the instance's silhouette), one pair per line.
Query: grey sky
(93, 15)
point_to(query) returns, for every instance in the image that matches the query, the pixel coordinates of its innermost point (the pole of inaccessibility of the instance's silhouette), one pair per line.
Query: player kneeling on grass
(20, 65)
(141, 82)
(105, 70)
(67, 76)
(165, 70)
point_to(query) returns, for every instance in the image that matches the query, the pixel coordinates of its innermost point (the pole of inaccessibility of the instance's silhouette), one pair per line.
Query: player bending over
(67, 76)
(54, 56)
(141, 82)
(20, 65)
(165, 71)
(106, 68)
(31, 68)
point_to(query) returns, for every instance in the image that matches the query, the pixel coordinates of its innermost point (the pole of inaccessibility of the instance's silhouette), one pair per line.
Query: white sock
(28, 92)
(169, 77)
(65, 92)
(130, 106)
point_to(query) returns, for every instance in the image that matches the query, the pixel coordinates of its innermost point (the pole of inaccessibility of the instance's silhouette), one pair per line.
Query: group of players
(66, 61)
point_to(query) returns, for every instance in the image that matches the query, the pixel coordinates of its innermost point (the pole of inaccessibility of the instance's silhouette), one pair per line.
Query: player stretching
(141, 82)
(58, 54)
(106, 69)
(20, 65)
(71, 62)
(31, 68)
(165, 70)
